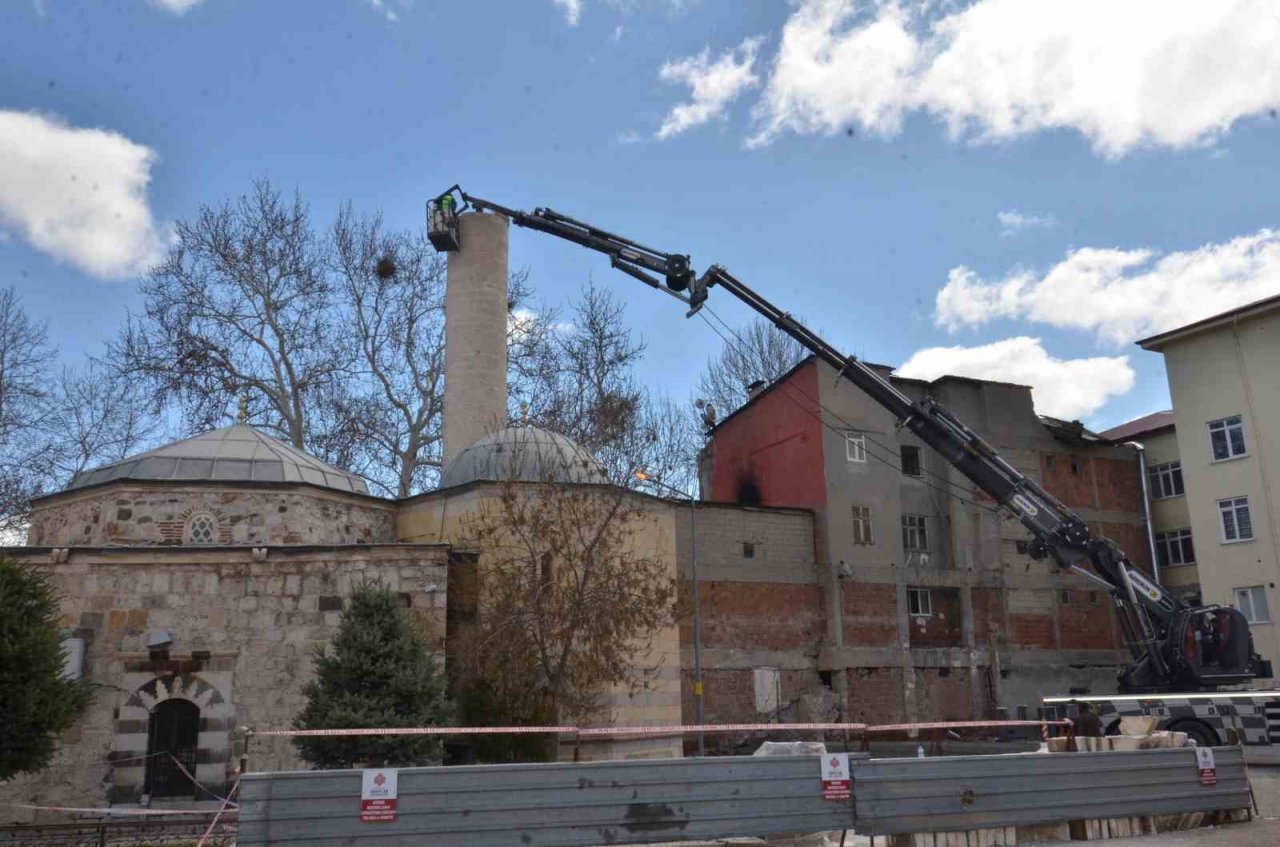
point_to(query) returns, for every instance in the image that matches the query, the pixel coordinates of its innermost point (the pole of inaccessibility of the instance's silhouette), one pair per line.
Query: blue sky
(931, 184)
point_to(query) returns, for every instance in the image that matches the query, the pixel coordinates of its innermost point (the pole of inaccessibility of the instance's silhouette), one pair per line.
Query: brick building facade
(851, 569)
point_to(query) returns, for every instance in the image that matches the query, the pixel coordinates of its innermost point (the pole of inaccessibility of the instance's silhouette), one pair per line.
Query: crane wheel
(1203, 734)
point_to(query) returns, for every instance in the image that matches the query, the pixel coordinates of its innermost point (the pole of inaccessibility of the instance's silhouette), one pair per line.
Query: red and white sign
(835, 776)
(1208, 769)
(378, 795)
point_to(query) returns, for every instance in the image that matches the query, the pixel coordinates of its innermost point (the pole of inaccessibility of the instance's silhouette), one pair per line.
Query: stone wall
(243, 632)
(141, 513)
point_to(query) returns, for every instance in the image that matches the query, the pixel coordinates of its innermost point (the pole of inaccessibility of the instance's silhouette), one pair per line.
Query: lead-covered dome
(524, 454)
(230, 454)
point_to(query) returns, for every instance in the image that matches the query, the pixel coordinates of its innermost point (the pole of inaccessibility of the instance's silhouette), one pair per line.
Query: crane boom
(1156, 624)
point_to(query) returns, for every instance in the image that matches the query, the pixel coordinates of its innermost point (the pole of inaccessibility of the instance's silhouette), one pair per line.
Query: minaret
(475, 325)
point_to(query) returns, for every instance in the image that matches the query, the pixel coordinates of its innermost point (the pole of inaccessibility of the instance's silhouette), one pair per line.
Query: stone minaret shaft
(475, 309)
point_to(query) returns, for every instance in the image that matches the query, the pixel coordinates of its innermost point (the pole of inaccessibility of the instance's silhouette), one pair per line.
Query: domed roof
(230, 454)
(525, 454)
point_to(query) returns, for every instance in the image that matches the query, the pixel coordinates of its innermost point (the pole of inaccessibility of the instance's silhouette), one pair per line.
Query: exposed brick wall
(753, 615)
(1028, 630)
(870, 613)
(1068, 477)
(1119, 485)
(1087, 622)
(943, 628)
(1132, 539)
(875, 695)
(774, 446)
(988, 617)
(943, 694)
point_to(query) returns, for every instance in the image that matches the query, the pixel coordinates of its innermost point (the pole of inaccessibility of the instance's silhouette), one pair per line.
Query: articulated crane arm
(1174, 647)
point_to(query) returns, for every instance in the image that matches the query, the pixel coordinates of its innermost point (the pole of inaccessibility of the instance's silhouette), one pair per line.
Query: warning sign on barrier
(1208, 770)
(835, 776)
(378, 795)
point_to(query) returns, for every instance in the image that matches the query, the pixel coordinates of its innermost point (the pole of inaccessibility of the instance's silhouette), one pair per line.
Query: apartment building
(1173, 536)
(918, 600)
(1223, 381)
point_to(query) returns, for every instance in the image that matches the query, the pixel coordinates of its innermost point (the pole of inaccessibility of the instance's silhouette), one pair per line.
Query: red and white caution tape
(675, 729)
(109, 811)
(214, 822)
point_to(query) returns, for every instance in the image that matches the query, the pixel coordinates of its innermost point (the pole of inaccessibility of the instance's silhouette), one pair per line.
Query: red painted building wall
(770, 451)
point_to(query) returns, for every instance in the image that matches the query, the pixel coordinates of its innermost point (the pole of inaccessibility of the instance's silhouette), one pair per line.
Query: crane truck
(1190, 665)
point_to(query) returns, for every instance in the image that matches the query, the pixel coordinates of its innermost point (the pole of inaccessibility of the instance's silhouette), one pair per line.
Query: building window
(855, 447)
(862, 525)
(202, 528)
(914, 534)
(910, 460)
(1022, 546)
(1226, 436)
(1065, 597)
(172, 734)
(1166, 481)
(919, 603)
(1252, 603)
(748, 550)
(1174, 548)
(1236, 523)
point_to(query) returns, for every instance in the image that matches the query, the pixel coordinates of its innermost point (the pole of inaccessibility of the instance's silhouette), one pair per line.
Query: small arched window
(202, 528)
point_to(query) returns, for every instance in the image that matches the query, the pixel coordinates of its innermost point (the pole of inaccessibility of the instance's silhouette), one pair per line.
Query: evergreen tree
(380, 673)
(36, 703)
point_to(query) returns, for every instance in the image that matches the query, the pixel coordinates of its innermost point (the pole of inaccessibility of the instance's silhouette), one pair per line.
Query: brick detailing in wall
(943, 627)
(1086, 621)
(944, 694)
(875, 695)
(754, 615)
(870, 613)
(1032, 630)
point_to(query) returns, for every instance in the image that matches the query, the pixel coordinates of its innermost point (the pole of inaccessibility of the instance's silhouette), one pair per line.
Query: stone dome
(230, 454)
(525, 454)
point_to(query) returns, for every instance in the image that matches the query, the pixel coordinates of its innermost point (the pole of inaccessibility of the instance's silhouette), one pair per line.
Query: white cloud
(178, 7)
(713, 85)
(572, 10)
(1063, 388)
(1124, 74)
(1121, 295)
(1013, 222)
(79, 195)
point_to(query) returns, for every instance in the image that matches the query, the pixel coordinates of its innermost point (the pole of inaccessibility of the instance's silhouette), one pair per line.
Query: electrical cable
(967, 500)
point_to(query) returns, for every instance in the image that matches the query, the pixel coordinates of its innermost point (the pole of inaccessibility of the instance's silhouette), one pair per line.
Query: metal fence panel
(977, 792)
(548, 805)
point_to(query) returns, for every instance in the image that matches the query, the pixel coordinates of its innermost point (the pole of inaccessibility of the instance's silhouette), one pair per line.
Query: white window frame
(1249, 609)
(1172, 540)
(855, 447)
(918, 526)
(1162, 481)
(1232, 506)
(863, 520)
(1225, 425)
(924, 602)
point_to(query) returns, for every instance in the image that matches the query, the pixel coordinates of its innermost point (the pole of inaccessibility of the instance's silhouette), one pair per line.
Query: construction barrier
(571, 804)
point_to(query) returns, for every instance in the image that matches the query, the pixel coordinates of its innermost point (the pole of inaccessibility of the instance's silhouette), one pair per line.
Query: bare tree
(94, 417)
(25, 454)
(569, 602)
(241, 306)
(391, 287)
(760, 351)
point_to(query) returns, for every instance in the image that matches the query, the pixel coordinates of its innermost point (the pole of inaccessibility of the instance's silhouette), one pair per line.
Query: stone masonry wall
(152, 514)
(243, 632)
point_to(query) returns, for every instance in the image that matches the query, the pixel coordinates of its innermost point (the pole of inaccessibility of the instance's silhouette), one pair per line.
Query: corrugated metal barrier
(979, 792)
(562, 805)
(548, 805)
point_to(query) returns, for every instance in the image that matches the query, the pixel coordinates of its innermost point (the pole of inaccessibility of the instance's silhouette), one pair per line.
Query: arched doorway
(172, 734)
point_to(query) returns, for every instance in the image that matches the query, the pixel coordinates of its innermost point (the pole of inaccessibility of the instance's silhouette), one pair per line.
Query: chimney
(754, 388)
(475, 325)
